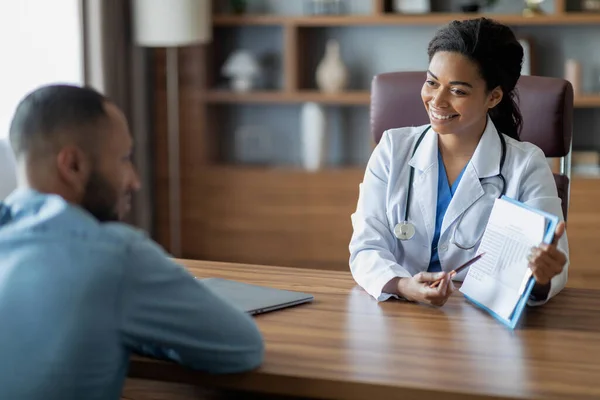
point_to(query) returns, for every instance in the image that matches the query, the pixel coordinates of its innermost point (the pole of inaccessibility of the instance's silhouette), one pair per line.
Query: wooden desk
(347, 346)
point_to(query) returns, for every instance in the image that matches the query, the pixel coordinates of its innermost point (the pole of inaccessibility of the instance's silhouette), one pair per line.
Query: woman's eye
(459, 92)
(430, 83)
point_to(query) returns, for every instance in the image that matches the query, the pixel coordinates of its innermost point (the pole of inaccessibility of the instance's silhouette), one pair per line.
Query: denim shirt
(77, 297)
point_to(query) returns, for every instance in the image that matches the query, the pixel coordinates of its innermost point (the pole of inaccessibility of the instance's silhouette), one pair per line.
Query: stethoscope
(405, 230)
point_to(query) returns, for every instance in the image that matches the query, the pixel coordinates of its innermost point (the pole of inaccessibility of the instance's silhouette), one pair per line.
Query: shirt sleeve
(538, 189)
(372, 261)
(165, 312)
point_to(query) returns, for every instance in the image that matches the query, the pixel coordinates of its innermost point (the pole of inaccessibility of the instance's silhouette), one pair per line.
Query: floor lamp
(171, 24)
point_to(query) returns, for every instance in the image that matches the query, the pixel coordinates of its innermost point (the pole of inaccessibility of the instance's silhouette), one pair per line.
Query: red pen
(457, 270)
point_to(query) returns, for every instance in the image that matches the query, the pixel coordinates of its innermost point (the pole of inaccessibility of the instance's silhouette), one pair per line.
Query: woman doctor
(461, 162)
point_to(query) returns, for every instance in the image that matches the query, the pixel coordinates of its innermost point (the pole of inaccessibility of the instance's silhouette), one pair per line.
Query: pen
(457, 270)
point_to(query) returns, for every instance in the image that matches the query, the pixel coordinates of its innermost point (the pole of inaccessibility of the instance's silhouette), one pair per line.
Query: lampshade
(170, 23)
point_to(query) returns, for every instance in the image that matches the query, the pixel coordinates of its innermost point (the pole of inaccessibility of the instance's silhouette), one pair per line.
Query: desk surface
(345, 345)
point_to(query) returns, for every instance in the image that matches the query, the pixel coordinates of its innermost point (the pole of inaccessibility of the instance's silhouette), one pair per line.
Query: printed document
(498, 279)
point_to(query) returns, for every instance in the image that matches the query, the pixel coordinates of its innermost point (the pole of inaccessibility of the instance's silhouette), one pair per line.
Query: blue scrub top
(445, 193)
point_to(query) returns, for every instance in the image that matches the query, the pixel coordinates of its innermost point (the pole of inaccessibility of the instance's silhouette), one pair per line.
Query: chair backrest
(545, 103)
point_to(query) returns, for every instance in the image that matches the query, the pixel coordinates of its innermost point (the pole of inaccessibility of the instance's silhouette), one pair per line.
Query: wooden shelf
(249, 19)
(588, 101)
(250, 169)
(346, 98)
(399, 19)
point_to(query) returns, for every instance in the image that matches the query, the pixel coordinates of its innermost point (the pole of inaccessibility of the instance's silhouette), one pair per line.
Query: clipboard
(514, 318)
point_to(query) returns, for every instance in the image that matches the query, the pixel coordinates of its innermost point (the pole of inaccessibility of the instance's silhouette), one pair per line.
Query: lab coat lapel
(425, 180)
(484, 163)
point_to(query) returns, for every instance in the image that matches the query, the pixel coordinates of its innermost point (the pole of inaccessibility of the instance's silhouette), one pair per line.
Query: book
(501, 282)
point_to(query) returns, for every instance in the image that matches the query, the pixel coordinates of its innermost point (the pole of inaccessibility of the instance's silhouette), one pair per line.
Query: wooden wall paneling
(196, 148)
(197, 145)
(160, 181)
(583, 233)
(282, 217)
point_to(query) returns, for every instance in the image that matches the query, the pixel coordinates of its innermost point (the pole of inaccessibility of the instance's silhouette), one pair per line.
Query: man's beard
(100, 198)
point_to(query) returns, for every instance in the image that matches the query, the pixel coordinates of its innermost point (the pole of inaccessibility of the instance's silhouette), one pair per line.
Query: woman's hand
(546, 261)
(418, 288)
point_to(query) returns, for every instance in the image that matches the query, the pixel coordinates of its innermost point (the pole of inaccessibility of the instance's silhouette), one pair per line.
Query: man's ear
(73, 167)
(495, 97)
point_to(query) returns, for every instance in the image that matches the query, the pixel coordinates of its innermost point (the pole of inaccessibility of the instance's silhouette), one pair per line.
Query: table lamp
(171, 24)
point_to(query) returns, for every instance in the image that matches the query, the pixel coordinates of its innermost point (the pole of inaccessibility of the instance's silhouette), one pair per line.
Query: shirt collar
(24, 200)
(485, 159)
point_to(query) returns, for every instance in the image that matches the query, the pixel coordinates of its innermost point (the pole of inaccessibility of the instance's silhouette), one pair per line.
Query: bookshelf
(347, 98)
(440, 18)
(278, 213)
(298, 96)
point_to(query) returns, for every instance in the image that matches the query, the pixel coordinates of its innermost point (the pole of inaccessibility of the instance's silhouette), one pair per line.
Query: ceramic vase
(412, 6)
(242, 68)
(573, 75)
(313, 135)
(332, 75)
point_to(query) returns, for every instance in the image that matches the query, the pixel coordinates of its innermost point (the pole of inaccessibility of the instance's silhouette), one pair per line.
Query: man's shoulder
(132, 239)
(123, 232)
(51, 218)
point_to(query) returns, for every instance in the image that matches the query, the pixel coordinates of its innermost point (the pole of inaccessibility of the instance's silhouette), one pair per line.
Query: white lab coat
(377, 256)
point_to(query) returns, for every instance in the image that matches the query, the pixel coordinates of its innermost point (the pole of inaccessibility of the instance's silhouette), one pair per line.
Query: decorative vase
(590, 5)
(412, 6)
(332, 75)
(533, 8)
(243, 69)
(573, 75)
(313, 128)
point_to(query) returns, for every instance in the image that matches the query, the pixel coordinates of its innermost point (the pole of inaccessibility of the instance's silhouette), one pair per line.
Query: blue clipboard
(513, 320)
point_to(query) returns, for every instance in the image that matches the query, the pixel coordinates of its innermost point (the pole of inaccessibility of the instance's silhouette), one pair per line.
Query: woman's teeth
(442, 117)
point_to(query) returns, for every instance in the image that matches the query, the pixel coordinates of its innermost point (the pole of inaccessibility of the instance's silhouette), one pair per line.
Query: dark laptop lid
(256, 299)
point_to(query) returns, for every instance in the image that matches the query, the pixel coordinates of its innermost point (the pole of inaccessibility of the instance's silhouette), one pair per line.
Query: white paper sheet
(498, 278)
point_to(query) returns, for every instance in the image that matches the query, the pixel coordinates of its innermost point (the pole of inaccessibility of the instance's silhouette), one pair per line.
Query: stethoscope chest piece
(404, 230)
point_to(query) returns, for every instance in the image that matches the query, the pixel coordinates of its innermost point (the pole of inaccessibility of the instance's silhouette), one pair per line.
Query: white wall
(41, 43)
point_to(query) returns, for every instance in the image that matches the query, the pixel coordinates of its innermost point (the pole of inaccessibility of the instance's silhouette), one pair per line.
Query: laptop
(255, 299)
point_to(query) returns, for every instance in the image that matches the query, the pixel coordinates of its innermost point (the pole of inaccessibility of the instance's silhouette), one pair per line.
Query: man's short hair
(50, 114)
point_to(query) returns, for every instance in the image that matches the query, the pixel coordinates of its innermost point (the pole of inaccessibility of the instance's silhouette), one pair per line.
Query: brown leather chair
(546, 105)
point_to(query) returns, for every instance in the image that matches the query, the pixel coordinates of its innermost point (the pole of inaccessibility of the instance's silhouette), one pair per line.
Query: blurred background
(251, 118)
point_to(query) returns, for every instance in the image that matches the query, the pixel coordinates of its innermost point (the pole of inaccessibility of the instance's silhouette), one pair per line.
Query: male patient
(80, 291)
